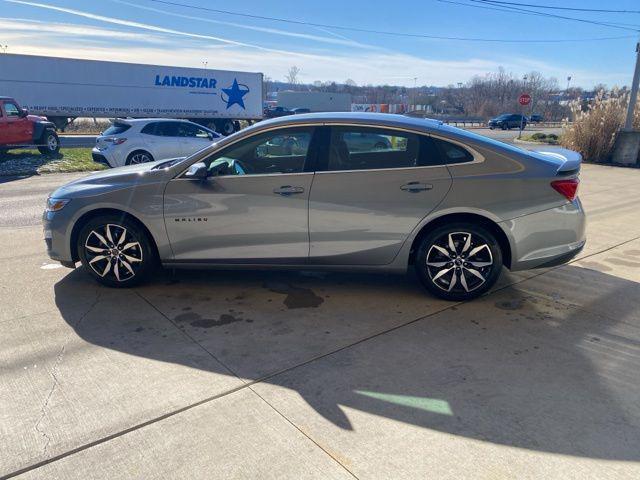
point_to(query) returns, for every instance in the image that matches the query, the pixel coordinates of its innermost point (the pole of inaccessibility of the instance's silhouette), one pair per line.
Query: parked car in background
(535, 118)
(275, 112)
(366, 141)
(127, 142)
(507, 121)
(18, 129)
(453, 205)
(298, 111)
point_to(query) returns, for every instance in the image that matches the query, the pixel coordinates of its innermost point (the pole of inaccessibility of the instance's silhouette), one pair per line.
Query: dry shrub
(593, 131)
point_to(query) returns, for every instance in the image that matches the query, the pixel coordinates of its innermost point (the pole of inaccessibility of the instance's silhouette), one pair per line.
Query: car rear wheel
(49, 143)
(139, 156)
(459, 262)
(116, 251)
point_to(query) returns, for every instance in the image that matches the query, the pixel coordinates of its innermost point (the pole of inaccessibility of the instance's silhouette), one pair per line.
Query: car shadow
(510, 368)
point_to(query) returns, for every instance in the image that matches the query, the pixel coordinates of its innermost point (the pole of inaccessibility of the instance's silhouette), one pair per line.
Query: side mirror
(24, 112)
(219, 169)
(198, 170)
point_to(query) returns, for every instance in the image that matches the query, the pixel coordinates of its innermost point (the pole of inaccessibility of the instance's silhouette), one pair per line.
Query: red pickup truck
(18, 129)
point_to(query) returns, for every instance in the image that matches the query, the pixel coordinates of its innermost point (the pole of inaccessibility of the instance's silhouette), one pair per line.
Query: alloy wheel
(113, 252)
(52, 142)
(139, 158)
(459, 262)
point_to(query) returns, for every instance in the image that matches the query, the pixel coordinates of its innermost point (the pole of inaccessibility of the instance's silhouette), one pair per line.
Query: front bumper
(54, 225)
(547, 238)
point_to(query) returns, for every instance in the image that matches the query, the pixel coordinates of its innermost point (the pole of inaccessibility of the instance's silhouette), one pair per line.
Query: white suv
(129, 141)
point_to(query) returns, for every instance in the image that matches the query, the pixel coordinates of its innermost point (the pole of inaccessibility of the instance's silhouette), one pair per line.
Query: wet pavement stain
(196, 320)
(225, 319)
(296, 297)
(515, 304)
(625, 263)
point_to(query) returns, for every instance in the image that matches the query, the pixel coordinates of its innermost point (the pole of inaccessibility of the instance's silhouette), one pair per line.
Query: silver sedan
(453, 205)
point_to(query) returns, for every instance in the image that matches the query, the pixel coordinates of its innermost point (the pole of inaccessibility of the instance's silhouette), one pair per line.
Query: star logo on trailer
(234, 94)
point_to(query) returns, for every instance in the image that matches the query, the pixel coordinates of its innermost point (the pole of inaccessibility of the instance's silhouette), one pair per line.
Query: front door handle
(287, 190)
(414, 187)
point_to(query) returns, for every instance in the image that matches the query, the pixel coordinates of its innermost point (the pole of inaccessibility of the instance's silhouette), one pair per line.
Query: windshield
(504, 116)
(116, 129)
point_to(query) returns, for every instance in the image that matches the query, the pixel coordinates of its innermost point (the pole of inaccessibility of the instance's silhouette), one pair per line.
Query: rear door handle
(414, 187)
(287, 190)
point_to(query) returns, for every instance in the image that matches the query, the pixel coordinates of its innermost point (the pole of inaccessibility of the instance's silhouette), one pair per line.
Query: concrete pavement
(306, 375)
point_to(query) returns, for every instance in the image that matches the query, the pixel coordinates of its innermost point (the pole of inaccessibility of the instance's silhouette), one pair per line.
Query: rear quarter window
(452, 153)
(116, 129)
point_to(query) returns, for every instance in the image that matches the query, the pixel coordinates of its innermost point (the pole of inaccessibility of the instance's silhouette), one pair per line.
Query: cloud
(364, 67)
(23, 27)
(153, 28)
(335, 39)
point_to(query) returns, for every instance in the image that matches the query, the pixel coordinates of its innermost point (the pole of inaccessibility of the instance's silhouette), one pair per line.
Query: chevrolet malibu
(453, 205)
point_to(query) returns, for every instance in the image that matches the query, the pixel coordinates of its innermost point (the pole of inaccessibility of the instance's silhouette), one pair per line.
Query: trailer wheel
(225, 127)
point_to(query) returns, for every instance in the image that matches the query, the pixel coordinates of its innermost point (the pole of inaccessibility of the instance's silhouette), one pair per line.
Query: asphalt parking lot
(307, 375)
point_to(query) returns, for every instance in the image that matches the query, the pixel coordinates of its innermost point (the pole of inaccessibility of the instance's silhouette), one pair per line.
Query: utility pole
(633, 96)
(627, 146)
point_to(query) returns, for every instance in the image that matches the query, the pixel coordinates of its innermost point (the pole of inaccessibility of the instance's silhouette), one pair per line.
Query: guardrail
(478, 124)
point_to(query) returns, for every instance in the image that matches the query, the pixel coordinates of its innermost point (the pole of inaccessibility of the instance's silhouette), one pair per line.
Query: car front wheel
(459, 262)
(116, 251)
(50, 143)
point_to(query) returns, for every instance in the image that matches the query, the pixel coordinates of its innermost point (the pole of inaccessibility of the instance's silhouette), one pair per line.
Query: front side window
(12, 110)
(364, 148)
(192, 131)
(281, 151)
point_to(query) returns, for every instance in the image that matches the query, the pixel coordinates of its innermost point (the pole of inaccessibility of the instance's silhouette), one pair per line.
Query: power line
(562, 17)
(386, 32)
(485, 5)
(553, 7)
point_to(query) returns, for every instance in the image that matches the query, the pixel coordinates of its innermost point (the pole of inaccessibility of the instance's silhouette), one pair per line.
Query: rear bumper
(547, 238)
(102, 157)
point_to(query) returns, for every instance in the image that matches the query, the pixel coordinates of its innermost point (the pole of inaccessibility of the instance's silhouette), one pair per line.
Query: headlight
(56, 204)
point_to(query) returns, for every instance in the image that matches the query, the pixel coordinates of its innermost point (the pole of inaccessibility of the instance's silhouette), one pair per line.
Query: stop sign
(524, 99)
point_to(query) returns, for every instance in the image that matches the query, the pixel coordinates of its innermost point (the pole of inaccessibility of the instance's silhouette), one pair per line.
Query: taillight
(568, 188)
(119, 141)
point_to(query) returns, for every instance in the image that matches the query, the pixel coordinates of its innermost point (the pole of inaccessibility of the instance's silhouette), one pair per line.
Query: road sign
(524, 99)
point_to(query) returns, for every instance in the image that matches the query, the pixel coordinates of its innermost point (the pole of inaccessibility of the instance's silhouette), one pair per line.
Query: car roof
(137, 121)
(377, 119)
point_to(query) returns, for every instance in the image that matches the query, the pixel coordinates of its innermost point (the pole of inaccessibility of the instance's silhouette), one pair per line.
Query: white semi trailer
(63, 89)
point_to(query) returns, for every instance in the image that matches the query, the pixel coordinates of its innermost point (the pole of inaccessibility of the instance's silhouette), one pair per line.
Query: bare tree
(292, 75)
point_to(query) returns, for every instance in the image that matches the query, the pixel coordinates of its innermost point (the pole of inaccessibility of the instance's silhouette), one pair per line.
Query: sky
(160, 32)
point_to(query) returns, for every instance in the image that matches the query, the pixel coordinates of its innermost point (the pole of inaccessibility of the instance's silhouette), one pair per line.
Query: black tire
(486, 262)
(49, 143)
(112, 270)
(225, 127)
(138, 156)
(380, 146)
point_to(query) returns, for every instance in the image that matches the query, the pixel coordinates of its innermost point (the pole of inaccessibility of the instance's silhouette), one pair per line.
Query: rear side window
(149, 129)
(116, 129)
(363, 148)
(452, 153)
(167, 129)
